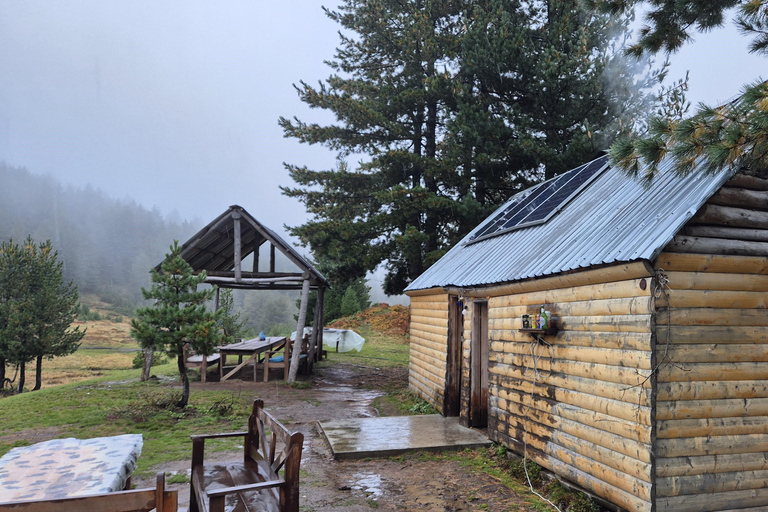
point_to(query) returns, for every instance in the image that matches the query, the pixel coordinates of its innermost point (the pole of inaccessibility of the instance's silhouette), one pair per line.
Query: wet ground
(409, 482)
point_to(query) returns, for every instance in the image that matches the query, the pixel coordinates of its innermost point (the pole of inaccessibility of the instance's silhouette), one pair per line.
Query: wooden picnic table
(252, 348)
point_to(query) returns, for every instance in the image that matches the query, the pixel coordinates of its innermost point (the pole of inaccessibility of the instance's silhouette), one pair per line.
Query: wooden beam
(701, 245)
(271, 257)
(741, 197)
(253, 275)
(235, 280)
(746, 181)
(754, 235)
(256, 258)
(238, 248)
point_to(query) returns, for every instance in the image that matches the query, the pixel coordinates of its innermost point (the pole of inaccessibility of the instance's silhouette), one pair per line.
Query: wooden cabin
(651, 388)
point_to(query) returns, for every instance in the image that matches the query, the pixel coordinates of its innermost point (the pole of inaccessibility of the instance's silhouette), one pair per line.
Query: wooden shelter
(650, 390)
(220, 248)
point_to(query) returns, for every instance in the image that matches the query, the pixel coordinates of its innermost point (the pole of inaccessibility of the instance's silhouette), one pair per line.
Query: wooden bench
(192, 360)
(267, 478)
(136, 500)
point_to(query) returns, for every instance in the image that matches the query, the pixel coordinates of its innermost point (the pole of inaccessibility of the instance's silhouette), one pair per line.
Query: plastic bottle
(544, 319)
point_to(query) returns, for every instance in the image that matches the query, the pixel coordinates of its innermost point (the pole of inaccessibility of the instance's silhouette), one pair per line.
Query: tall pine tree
(455, 106)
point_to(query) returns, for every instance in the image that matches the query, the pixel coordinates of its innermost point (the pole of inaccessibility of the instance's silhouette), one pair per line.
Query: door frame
(452, 395)
(478, 368)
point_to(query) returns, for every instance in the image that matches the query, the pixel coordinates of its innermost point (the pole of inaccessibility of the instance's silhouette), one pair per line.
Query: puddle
(368, 482)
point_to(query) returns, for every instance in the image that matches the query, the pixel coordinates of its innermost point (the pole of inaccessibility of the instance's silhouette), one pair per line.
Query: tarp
(343, 339)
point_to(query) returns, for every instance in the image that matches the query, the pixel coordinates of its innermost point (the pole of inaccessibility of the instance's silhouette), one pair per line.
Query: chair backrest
(270, 445)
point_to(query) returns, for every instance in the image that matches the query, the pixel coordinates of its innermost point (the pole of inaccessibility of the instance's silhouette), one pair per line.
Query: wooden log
(748, 234)
(740, 197)
(437, 355)
(412, 294)
(727, 408)
(712, 263)
(717, 281)
(713, 502)
(294, 366)
(687, 372)
(711, 484)
(702, 427)
(237, 247)
(437, 340)
(621, 358)
(608, 274)
(433, 329)
(746, 181)
(718, 445)
(628, 377)
(711, 464)
(272, 257)
(702, 245)
(704, 334)
(613, 340)
(715, 317)
(431, 313)
(429, 305)
(428, 320)
(612, 290)
(714, 353)
(617, 323)
(730, 216)
(430, 369)
(614, 400)
(596, 307)
(712, 390)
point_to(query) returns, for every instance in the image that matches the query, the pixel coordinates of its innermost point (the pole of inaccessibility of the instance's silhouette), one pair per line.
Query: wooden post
(272, 258)
(256, 259)
(216, 300)
(238, 248)
(316, 340)
(296, 353)
(147, 367)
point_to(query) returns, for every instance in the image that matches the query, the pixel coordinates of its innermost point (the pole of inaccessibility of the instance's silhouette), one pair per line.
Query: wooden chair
(136, 500)
(255, 483)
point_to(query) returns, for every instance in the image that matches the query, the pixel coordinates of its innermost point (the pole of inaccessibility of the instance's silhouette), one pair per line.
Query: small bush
(149, 404)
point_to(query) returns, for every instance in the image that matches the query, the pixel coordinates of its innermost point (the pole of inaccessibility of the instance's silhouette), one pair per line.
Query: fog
(175, 103)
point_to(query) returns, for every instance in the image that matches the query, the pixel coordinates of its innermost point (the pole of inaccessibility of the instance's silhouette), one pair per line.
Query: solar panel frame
(513, 210)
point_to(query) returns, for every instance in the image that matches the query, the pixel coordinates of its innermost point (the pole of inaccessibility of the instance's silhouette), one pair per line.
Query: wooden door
(452, 400)
(478, 385)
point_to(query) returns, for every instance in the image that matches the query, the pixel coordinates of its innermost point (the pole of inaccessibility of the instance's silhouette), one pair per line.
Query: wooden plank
(715, 299)
(702, 427)
(705, 334)
(730, 216)
(628, 377)
(712, 390)
(680, 466)
(596, 307)
(613, 340)
(711, 371)
(437, 340)
(712, 263)
(612, 273)
(715, 445)
(703, 245)
(432, 313)
(612, 290)
(715, 316)
(711, 484)
(617, 323)
(717, 281)
(713, 502)
(715, 353)
(605, 356)
(726, 408)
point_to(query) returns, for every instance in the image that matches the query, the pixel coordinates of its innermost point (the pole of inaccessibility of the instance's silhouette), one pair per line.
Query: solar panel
(539, 203)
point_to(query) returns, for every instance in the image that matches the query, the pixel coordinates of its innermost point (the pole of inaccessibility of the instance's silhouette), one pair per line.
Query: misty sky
(175, 103)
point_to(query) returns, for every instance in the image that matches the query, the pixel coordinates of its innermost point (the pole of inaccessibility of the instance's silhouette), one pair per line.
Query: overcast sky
(175, 103)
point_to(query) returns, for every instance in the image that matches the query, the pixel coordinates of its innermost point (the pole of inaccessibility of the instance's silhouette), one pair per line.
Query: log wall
(712, 393)
(429, 347)
(579, 405)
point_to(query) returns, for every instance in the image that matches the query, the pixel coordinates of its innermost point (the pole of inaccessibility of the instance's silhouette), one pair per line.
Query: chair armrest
(240, 488)
(218, 436)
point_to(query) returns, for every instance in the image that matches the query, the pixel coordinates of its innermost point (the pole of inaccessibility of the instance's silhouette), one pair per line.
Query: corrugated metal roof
(615, 219)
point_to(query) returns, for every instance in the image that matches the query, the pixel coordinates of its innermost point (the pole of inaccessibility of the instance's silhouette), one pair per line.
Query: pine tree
(456, 105)
(733, 135)
(229, 322)
(178, 315)
(36, 308)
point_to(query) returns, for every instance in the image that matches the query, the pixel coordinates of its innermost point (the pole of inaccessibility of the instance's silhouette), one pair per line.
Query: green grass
(380, 350)
(405, 403)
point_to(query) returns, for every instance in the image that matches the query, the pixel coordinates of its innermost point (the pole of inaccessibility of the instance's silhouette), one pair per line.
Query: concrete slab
(394, 435)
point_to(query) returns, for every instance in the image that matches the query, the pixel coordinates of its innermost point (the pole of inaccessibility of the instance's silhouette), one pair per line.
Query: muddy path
(410, 482)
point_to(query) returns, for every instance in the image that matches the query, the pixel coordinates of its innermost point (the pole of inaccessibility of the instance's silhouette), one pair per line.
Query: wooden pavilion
(220, 248)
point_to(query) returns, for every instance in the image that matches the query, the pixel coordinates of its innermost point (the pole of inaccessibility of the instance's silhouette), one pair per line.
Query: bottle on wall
(544, 319)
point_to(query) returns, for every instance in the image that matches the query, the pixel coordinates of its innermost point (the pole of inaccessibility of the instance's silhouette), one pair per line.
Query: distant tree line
(107, 246)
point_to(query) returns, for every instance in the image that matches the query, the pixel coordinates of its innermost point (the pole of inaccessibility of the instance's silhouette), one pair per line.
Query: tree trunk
(38, 374)
(147, 368)
(22, 377)
(184, 380)
(2, 373)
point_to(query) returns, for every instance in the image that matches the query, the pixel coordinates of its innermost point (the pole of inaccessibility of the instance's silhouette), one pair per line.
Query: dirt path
(401, 483)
